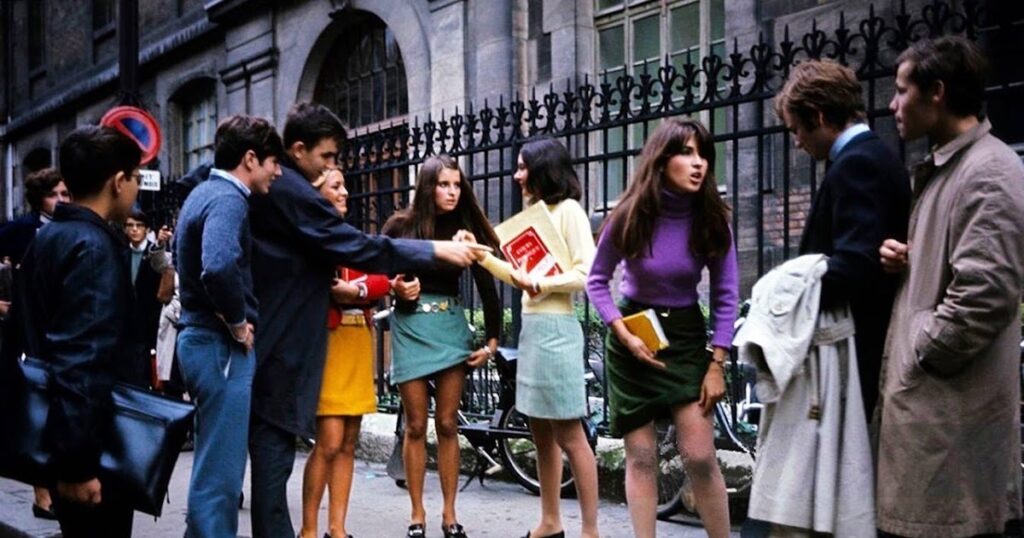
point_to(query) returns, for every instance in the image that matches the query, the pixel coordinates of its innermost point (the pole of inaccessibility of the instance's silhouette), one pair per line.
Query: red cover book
(528, 249)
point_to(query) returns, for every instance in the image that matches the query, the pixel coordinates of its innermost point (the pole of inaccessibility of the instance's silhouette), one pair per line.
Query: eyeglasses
(130, 225)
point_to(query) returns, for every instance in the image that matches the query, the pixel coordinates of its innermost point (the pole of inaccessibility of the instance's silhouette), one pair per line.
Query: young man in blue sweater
(219, 316)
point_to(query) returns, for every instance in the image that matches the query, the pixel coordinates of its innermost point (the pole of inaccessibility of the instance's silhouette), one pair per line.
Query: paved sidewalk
(378, 509)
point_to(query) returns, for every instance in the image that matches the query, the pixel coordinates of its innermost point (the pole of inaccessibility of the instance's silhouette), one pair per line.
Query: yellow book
(645, 324)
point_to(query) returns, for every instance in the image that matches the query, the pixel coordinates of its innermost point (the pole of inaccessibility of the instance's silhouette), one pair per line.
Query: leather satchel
(141, 442)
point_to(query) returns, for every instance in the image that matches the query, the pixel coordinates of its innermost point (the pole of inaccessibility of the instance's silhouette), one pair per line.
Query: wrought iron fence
(604, 120)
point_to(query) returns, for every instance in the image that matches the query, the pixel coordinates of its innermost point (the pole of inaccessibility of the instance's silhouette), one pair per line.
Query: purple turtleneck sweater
(669, 278)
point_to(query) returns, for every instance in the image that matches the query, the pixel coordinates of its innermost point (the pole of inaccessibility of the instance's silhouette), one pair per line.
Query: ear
(297, 148)
(938, 93)
(117, 182)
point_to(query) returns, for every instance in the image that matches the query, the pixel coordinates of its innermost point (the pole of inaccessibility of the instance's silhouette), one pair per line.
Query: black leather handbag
(140, 444)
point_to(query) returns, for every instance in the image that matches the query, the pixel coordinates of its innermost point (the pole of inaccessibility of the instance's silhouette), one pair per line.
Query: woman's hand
(480, 357)
(343, 292)
(636, 345)
(406, 291)
(521, 278)
(713, 388)
(466, 236)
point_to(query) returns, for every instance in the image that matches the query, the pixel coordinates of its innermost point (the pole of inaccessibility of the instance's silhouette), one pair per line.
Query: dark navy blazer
(863, 200)
(298, 241)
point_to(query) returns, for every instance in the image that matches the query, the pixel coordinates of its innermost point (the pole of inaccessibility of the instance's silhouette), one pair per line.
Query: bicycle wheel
(675, 494)
(519, 455)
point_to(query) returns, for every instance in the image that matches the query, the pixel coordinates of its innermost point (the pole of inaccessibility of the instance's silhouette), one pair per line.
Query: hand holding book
(635, 344)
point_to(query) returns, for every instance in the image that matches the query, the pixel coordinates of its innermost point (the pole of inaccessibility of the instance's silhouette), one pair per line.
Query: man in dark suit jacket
(863, 199)
(145, 307)
(299, 239)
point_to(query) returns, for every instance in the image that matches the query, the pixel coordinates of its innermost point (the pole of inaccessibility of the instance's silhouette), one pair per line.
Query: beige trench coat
(949, 452)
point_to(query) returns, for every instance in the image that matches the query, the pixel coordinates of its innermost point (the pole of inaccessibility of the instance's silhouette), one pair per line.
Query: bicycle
(501, 443)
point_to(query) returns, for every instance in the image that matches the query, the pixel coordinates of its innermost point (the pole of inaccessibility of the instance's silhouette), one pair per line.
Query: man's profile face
(128, 190)
(312, 161)
(914, 109)
(265, 174)
(816, 141)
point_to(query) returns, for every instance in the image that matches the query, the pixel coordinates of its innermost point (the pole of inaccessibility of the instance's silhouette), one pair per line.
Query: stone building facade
(381, 63)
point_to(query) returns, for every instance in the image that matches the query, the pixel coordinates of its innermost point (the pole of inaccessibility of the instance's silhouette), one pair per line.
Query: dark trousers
(272, 455)
(113, 517)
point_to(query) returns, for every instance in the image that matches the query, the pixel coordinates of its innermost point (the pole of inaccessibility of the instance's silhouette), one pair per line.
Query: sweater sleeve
(489, 297)
(724, 276)
(575, 228)
(221, 257)
(501, 269)
(599, 289)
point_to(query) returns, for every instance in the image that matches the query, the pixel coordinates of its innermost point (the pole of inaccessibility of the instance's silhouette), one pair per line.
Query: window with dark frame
(363, 79)
(198, 127)
(635, 36)
(104, 12)
(36, 35)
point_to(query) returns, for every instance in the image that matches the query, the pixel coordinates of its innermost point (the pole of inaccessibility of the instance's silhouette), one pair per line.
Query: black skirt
(639, 393)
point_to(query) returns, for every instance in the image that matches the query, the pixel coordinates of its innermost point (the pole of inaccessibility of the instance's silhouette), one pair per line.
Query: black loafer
(416, 530)
(453, 531)
(43, 513)
(559, 534)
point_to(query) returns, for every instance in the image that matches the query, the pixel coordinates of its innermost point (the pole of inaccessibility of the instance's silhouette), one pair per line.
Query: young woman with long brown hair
(430, 336)
(668, 226)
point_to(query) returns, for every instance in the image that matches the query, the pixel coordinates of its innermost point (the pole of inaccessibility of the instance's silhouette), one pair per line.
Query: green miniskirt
(428, 339)
(639, 393)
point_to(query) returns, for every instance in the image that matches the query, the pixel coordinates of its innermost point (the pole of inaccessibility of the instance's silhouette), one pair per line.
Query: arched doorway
(363, 81)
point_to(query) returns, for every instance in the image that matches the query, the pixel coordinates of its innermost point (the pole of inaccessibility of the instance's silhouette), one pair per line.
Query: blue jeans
(217, 373)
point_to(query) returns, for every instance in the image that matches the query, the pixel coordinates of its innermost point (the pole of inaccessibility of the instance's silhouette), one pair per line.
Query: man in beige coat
(949, 443)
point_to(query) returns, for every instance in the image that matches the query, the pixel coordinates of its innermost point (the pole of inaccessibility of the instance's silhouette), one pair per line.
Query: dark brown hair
(236, 135)
(549, 173)
(417, 220)
(825, 86)
(632, 220)
(954, 61)
(310, 123)
(90, 155)
(38, 184)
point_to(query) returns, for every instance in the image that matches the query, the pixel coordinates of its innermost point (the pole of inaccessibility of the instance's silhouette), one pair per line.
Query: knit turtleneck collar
(675, 204)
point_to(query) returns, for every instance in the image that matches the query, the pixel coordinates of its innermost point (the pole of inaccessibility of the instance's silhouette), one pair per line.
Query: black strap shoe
(416, 530)
(453, 531)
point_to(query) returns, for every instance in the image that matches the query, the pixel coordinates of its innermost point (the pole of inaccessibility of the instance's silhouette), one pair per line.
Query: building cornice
(219, 10)
(102, 80)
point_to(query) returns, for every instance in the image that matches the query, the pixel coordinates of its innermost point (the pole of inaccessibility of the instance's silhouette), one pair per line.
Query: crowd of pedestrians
(257, 305)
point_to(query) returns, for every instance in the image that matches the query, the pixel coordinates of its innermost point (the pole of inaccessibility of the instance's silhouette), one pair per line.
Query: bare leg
(318, 466)
(340, 477)
(642, 479)
(696, 438)
(446, 423)
(415, 400)
(549, 471)
(572, 439)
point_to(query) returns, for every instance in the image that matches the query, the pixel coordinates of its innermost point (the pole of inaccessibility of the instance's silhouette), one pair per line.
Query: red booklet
(529, 249)
(531, 239)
